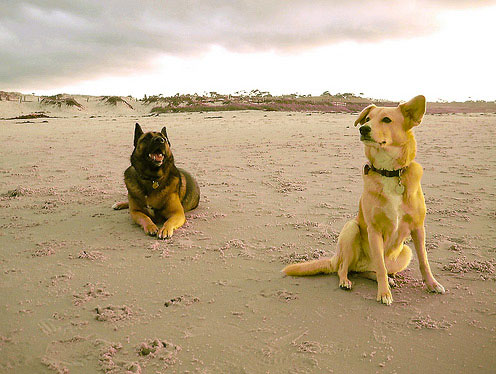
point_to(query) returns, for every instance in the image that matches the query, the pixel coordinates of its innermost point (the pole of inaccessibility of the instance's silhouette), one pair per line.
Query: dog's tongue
(157, 157)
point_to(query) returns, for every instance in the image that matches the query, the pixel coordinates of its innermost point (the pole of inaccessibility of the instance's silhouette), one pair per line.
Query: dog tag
(400, 189)
(155, 185)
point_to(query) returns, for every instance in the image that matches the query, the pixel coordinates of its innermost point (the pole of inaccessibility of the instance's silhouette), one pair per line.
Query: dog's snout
(365, 130)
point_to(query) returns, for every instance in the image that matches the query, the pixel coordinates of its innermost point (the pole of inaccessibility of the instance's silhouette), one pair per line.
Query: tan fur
(373, 242)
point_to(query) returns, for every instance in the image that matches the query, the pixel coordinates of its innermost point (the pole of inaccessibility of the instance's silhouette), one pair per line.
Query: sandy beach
(84, 290)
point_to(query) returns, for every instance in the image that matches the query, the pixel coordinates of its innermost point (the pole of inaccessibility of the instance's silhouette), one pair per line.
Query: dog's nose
(365, 130)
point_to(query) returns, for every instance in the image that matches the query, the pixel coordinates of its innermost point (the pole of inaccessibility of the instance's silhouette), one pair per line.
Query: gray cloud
(53, 40)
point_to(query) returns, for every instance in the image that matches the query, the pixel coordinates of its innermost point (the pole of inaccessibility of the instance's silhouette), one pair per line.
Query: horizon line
(245, 93)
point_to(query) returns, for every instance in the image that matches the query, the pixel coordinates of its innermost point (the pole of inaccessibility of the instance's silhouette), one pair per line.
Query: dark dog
(157, 189)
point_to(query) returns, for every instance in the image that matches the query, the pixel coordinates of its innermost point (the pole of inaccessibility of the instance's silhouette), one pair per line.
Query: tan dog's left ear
(363, 115)
(414, 110)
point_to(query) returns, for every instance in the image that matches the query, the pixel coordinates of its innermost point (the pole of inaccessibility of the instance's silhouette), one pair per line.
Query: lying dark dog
(157, 189)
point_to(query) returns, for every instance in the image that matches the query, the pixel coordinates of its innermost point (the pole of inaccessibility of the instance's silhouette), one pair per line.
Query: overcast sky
(382, 48)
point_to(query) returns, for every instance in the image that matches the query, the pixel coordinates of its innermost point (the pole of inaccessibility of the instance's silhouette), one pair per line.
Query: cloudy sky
(381, 48)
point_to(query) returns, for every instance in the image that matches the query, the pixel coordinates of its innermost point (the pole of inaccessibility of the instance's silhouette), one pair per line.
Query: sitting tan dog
(392, 205)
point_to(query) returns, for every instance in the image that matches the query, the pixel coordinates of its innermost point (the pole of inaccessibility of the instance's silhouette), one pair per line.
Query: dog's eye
(367, 119)
(386, 120)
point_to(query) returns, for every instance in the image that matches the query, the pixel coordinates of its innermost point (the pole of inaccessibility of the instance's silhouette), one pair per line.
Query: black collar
(383, 172)
(154, 181)
(147, 178)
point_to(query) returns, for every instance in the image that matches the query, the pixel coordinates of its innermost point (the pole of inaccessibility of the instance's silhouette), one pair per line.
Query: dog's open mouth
(158, 158)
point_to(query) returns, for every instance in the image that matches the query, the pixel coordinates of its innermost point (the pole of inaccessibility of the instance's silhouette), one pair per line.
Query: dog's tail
(320, 266)
(120, 205)
(348, 242)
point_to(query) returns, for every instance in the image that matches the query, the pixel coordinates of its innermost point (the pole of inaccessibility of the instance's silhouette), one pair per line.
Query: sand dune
(83, 290)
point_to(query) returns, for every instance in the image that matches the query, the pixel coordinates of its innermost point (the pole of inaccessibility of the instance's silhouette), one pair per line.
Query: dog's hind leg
(348, 251)
(393, 265)
(373, 276)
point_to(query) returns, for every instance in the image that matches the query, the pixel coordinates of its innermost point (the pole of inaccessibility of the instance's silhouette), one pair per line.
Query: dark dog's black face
(151, 149)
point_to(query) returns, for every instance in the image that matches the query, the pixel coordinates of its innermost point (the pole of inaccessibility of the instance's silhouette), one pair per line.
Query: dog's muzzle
(365, 132)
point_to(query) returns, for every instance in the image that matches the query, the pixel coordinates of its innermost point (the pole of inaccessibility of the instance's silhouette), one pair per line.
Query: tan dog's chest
(394, 200)
(395, 227)
(386, 210)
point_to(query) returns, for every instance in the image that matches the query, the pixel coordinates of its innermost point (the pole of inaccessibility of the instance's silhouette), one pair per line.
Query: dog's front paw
(345, 284)
(120, 205)
(150, 229)
(435, 286)
(165, 232)
(385, 297)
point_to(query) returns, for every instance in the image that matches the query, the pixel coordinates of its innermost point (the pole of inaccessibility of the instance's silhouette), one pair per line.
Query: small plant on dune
(113, 100)
(72, 102)
(59, 100)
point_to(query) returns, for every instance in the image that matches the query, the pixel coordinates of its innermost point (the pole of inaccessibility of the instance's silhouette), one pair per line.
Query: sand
(83, 289)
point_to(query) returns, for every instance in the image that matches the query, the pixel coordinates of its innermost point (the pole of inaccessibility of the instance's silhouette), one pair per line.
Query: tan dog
(392, 205)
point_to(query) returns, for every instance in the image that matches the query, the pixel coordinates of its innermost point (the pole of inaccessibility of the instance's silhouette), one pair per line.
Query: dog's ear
(137, 133)
(164, 133)
(363, 115)
(413, 110)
